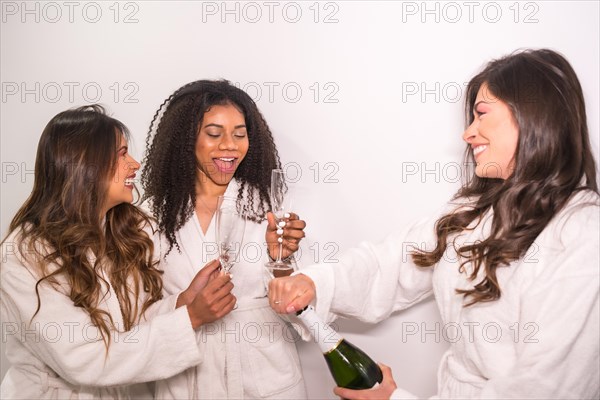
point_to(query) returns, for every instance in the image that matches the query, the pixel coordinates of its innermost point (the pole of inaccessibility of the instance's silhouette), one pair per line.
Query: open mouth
(479, 149)
(226, 165)
(130, 181)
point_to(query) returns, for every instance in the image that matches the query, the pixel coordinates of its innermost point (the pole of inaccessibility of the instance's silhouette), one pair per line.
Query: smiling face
(120, 187)
(493, 136)
(221, 145)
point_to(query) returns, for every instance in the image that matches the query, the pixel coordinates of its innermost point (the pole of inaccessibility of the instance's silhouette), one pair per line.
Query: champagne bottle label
(325, 336)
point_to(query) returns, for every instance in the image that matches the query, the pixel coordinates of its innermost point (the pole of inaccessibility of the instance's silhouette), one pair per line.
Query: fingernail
(290, 309)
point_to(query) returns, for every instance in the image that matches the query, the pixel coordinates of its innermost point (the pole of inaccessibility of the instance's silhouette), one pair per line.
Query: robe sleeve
(371, 281)
(62, 336)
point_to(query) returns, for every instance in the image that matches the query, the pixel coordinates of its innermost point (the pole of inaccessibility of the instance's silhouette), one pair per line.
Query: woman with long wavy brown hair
(81, 289)
(517, 249)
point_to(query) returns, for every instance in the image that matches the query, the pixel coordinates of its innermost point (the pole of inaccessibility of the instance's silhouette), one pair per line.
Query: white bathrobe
(59, 354)
(539, 340)
(249, 353)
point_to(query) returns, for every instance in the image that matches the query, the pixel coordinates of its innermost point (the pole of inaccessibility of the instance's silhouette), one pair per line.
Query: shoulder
(566, 251)
(18, 247)
(568, 246)
(18, 257)
(579, 220)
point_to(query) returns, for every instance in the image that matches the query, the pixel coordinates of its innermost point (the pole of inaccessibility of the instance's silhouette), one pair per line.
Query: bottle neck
(325, 336)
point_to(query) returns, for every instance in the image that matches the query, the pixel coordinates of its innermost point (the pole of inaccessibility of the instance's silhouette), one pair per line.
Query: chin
(483, 175)
(491, 170)
(222, 179)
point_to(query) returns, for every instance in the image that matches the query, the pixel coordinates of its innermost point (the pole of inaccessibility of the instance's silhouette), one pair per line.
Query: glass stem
(280, 251)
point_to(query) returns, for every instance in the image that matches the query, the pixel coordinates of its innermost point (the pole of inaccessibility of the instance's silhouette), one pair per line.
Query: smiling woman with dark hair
(517, 249)
(79, 280)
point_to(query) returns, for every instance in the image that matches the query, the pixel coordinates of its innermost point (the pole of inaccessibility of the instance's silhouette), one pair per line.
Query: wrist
(194, 320)
(182, 299)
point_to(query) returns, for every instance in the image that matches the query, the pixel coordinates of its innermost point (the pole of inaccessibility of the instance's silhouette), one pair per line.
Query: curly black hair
(170, 164)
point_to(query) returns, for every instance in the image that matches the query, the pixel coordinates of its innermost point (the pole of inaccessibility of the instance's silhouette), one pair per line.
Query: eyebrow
(221, 126)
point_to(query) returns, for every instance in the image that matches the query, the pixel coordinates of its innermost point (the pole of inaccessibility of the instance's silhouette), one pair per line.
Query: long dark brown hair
(169, 176)
(61, 223)
(553, 160)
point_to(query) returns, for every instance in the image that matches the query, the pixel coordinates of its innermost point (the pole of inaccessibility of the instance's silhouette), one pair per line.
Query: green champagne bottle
(350, 367)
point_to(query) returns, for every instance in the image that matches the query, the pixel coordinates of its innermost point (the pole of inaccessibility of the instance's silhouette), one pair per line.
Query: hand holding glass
(281, 204)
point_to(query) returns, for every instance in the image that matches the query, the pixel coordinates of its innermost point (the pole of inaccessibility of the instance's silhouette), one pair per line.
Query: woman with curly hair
(209, 139)
(81, 301)
(512, 262)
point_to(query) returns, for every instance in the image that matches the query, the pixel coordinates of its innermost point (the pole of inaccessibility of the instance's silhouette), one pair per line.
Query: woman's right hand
(208, 297)
(291, 293)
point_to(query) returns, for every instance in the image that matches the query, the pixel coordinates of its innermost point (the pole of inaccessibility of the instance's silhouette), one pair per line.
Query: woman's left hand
(291, 234)
(383, 391)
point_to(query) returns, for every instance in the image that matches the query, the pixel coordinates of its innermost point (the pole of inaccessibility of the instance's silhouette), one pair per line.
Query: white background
(364, 99)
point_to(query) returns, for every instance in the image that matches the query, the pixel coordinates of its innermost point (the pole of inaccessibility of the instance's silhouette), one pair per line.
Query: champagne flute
(230, 226)
(281, 204)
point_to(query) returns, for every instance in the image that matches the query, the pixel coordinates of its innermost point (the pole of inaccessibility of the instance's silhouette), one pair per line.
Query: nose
(470, 133)
(133, 164)
(227, 143)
